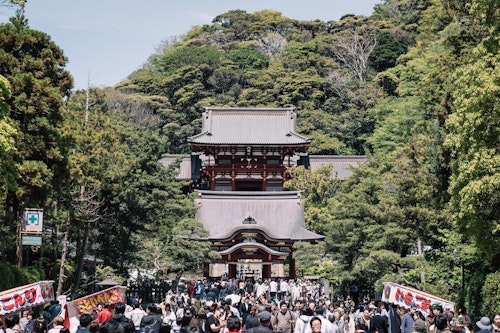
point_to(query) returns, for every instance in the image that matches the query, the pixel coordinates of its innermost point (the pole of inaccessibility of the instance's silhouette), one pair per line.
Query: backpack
(306, 322)
(165, 327)
(148, 328)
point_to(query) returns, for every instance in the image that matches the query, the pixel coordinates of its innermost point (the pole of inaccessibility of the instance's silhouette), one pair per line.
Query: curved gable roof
(278, 214)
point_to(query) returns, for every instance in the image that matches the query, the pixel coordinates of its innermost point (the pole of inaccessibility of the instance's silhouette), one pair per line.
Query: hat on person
(283, 303)
(484, 323)
(264, 316)
(455, 325)
(372, 306)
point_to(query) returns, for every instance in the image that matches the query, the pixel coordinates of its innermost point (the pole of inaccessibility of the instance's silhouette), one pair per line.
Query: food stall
(25, 297)
(407, 297)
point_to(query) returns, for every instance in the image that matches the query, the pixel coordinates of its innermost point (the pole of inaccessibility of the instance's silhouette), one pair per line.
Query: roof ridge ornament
(249, 219)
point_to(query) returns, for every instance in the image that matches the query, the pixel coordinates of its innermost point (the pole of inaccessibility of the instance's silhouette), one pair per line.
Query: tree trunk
(175, 282)
(419, 252)
(60, 279)
(80, 258)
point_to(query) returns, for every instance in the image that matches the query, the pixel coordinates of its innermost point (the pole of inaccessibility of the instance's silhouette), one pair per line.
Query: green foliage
(103, 272)
(8, 169)
(247, 58)
(32, 274)
(188, 248)
(180, 57)
(307, 257)
(386, 52)
(34, 154)
(474, 297)
(491, 295)
(135, 197)
(395, 119)
(10, 276)
(474, 132)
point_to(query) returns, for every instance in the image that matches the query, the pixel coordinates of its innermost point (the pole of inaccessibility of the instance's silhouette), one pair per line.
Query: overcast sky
(111, 38)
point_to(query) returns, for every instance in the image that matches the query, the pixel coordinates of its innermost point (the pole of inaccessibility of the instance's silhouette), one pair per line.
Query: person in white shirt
(169, 318)
(261, 288)
(273, 289)
(296, 291)
(284, 289)
(136, 316)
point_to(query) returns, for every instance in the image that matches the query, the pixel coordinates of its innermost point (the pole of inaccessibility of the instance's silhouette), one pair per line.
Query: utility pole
(19, 244)
(87, 100)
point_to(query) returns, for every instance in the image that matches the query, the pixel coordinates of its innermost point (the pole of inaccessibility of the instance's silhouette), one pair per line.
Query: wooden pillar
(292, 273)
(206, 270)
(266, 271)
(231, 268)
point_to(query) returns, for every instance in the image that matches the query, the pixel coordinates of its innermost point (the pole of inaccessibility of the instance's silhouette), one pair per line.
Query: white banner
(19, 298)
(406, 297)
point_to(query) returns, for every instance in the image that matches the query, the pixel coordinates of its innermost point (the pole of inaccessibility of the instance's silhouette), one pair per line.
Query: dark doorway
(248, 186)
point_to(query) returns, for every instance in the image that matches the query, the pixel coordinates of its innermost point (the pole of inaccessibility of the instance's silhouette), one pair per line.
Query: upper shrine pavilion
(238, 166)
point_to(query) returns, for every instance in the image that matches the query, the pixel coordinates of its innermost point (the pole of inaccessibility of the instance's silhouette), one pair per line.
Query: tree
(474, 131)
(272, 44)
(189, 248)
(8, 171)
(34, 65)
(8, 168)
(318, 186)
(386, 52)
(352, 48)
(491, 295)
(96, 160)
(395, 118)
(307, 257)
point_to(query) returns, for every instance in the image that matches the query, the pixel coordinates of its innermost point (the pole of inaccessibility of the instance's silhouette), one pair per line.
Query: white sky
(111, 38)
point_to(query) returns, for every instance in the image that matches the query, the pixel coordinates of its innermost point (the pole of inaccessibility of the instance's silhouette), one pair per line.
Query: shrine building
(238, 166)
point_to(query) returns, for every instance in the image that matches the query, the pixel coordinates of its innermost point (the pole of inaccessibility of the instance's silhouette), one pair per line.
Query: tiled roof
(341, 165)
(278, 214)
(249, 126)
(184, 167)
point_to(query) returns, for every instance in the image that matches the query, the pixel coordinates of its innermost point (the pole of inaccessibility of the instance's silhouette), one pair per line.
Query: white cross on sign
(33, 220)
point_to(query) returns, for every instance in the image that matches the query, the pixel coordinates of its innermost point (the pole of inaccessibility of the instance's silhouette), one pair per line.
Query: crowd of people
(266, 306)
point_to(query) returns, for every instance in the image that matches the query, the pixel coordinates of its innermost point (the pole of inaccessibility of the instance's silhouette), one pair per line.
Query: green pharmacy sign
(33, 220)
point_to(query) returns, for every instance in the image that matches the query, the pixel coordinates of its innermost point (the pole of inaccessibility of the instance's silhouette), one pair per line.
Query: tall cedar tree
(34, 66)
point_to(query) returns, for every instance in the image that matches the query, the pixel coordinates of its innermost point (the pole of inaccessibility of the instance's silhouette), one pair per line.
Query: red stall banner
(89, 303)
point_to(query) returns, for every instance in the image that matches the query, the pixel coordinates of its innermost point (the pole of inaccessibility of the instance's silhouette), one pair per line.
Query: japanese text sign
(26, 296)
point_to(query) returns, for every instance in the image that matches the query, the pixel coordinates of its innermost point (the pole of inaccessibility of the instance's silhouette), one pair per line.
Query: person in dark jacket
(119, 316)
(378, 323)
(265, 323)
(394, 319)
(111, 326)
(151, 322)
